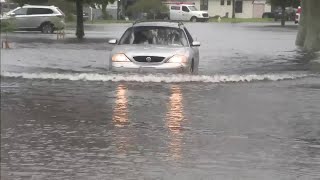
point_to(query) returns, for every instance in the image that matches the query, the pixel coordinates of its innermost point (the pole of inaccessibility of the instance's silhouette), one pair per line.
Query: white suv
(43, 18)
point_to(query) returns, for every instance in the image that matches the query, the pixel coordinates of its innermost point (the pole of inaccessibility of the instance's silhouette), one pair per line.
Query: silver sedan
(155, 47)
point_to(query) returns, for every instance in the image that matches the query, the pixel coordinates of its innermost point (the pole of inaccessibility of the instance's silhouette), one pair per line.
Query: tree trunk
(283, 15)
(104, 10)
(80, 28)
(309, 26)
(233, 9)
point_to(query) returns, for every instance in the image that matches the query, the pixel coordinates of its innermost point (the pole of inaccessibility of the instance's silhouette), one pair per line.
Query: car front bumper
(159, 68)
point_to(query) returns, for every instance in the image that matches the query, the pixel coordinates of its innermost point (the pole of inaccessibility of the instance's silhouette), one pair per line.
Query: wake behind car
(31, 17)
(155, 47)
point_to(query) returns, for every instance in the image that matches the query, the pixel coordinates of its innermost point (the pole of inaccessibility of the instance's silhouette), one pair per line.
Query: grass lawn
(242, 20)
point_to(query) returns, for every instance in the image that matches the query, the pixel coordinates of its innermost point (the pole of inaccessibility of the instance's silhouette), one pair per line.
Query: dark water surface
(251, 113)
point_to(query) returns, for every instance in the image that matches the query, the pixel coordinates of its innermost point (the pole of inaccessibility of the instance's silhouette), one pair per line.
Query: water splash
(179, 78)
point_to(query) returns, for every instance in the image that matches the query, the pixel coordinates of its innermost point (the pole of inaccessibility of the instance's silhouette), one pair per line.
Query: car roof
(38, 6)
(174, 24)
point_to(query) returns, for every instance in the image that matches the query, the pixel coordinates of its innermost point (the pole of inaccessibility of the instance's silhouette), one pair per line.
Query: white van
(183, 11)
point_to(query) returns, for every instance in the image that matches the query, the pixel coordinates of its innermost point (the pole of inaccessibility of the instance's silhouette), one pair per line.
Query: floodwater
(253, 112)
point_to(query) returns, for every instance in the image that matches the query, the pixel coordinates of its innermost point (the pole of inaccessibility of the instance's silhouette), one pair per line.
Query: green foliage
(241, 20)
(148, 6)
(285, 3)
(106, 16)
(36, 2)
(7, 25)
(66, 6)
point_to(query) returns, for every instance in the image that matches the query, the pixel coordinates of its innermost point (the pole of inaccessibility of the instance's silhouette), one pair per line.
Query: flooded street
(252, 112)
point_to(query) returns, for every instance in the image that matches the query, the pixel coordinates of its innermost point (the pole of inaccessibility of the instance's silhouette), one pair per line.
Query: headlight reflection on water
(120, 111)
(174, 120)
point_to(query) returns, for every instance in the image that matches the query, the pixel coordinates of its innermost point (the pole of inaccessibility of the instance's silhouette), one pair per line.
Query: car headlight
(178, 59)
(120, 58)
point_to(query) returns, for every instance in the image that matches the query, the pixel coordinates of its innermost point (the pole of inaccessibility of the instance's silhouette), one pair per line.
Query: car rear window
(33, 11)
(60, 11)
(154, 35)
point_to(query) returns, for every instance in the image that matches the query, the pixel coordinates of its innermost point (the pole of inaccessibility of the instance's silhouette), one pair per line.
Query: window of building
(228, 2)
(222, 2)
(204, 5)
(238, 7)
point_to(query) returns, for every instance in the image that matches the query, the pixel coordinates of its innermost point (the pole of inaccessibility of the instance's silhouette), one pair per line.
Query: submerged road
(251, 113)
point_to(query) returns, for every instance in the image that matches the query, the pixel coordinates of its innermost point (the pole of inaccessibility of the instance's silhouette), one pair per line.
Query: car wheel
(47, 28)
(193, 19)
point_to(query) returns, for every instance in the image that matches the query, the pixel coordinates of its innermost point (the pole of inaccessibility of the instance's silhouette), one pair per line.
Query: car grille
(152, 59)
(205, 15)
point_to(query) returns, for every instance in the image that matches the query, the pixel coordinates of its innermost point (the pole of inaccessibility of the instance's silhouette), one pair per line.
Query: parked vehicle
(289, 14)
(183, 11)
(31, 17)
(85, 16)
(268, 15)
(298, 14)
(155, 47)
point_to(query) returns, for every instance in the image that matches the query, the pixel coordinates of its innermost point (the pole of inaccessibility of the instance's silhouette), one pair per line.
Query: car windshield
(192, 8)
(154, 35)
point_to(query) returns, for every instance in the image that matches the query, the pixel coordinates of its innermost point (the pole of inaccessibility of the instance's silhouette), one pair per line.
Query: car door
(194, 49)
(37, 16)
(175, 12)
(19, 17)
(31, 13)
(185, 13)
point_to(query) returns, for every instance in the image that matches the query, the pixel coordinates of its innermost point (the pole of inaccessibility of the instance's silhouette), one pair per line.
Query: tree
(309, 26)
(283, 4)
(104, 4)
(67, 7)
(6, 26)
(22, 2)
(79, 9)
(152, 7)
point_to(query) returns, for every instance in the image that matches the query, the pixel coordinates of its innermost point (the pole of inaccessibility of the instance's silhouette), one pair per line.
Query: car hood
(150, 50)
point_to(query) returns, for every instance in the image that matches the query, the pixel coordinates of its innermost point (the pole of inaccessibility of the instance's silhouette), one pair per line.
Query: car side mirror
(195, 43)
(113, 41)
